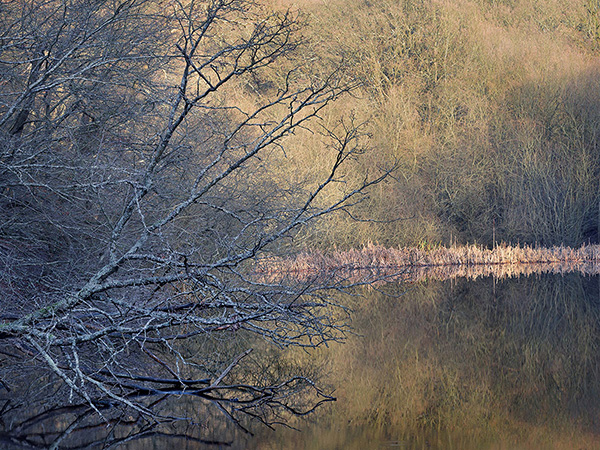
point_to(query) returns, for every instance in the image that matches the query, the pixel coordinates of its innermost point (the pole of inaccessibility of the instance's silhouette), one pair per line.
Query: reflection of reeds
(413, 264)
(465, 365)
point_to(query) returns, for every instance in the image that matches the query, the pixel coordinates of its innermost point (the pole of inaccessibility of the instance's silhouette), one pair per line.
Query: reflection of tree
(531, 342)
(78, 427)
(472, 362)
(42, 414)
(546, 347)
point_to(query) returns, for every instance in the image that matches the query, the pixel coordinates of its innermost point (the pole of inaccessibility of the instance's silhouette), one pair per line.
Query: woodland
(490, 109)
(154, 153)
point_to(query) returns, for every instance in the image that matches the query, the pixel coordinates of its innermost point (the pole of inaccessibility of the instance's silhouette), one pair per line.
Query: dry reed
(414, 264)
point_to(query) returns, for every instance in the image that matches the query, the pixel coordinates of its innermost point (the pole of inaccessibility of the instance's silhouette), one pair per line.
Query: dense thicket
(491, 107)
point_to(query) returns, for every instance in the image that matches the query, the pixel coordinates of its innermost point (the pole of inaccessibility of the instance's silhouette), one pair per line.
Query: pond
(487, 363)
(465, 364)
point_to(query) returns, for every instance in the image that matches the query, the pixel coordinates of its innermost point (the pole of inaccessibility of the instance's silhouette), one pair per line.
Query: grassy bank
(412, 264)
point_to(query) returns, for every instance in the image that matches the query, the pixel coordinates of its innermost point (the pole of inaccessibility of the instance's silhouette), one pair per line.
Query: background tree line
(491, 109)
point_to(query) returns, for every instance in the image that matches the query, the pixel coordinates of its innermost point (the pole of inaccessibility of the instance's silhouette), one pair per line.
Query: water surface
(489, 363)
(510, 363)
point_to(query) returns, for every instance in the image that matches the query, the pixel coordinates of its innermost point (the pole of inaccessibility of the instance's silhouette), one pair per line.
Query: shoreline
(413, 264)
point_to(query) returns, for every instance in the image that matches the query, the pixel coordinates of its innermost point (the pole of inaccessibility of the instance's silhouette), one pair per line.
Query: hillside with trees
(154, 153)
(490, 108)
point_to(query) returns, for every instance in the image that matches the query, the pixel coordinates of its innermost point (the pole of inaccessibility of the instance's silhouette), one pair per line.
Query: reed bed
(415, 264)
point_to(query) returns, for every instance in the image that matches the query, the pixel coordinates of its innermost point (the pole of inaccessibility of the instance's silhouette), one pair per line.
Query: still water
(483, 364)
(489, 363)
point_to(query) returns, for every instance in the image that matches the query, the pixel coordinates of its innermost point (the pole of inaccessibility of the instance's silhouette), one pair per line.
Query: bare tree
(133, 197)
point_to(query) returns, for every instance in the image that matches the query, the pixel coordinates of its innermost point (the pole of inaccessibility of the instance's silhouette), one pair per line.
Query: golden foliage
(490, 108)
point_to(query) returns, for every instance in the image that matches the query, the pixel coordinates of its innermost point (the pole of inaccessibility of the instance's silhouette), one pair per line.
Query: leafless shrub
(132, 199)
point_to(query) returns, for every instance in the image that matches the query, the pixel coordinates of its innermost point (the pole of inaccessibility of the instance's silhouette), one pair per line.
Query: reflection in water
(38, 411)
(419, 273)
(466, 364)
(486, 363)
